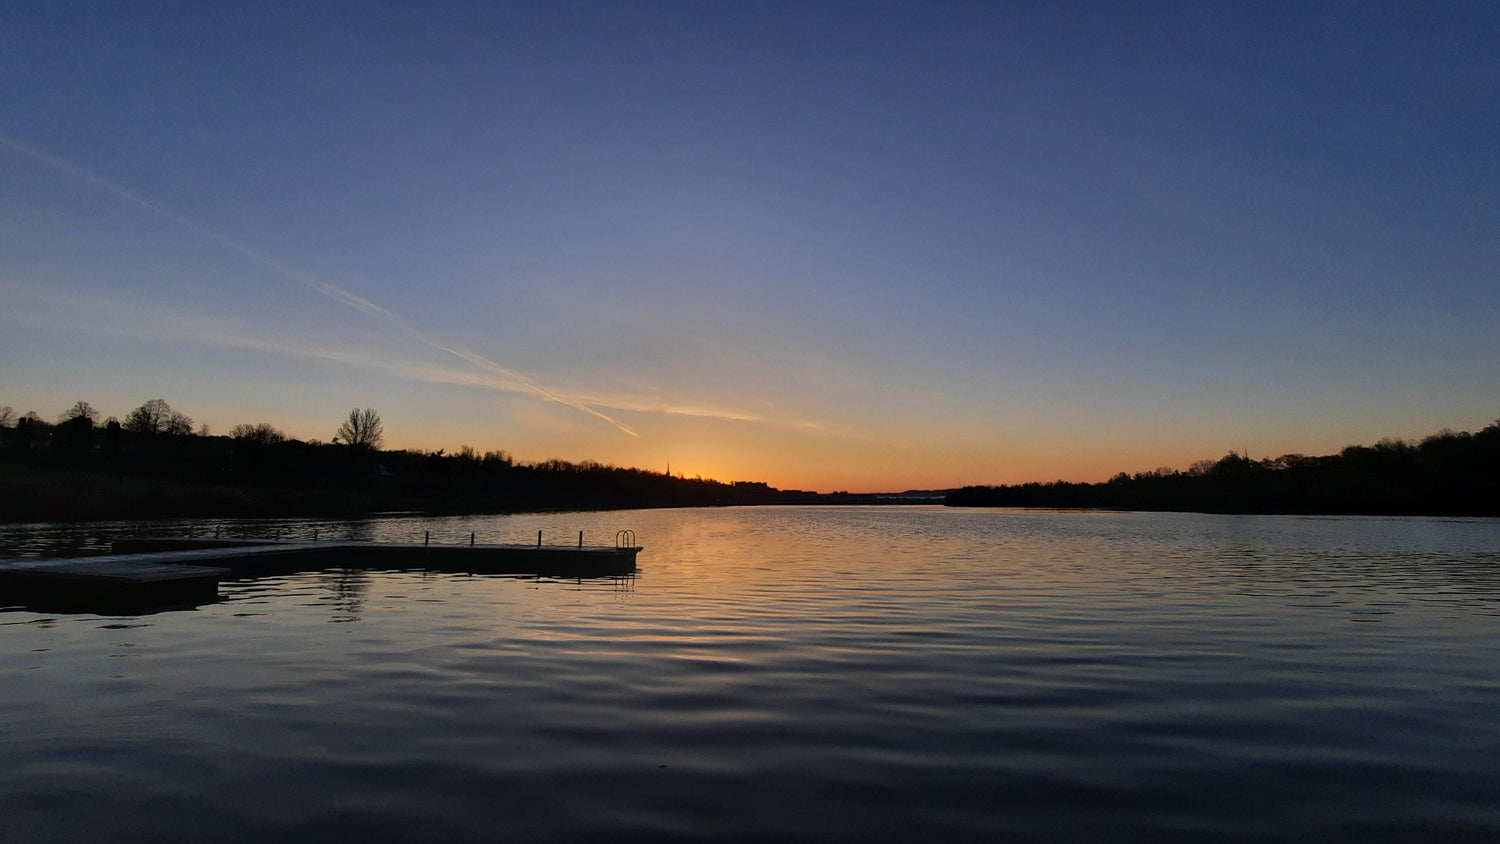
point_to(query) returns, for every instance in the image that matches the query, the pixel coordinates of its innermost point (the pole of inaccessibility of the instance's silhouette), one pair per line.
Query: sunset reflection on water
(790, 674)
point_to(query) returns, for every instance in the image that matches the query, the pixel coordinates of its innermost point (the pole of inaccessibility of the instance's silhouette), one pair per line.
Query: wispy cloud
(668, 409)
(104, 316)
(332, 291)
(101, 315)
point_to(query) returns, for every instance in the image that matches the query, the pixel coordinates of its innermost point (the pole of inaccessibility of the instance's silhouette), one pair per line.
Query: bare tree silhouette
(158, 417)
(79, 410)
(363, 429)
(261, 433)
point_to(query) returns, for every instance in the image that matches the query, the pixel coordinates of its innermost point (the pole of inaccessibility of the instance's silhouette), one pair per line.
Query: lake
(789, 674)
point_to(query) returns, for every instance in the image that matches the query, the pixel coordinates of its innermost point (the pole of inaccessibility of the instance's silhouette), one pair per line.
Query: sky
(865, 246)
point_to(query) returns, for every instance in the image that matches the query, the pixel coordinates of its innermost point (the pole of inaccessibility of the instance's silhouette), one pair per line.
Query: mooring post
(471, 539)
(580, 539)
(426, 536)
(538, 539)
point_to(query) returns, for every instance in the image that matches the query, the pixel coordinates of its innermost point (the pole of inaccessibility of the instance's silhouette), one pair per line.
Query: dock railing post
(538, 539)
(580, 539)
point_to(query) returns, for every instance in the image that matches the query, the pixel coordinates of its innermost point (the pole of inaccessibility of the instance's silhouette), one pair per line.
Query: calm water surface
(828, 674)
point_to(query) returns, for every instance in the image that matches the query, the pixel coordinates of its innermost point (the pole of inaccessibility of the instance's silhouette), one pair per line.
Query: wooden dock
(167, 570)
(118, 582)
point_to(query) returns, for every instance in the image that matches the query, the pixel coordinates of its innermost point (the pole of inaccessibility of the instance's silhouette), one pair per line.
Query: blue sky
(865, 245)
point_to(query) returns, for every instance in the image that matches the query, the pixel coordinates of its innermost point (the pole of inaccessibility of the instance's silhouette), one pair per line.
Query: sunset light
(821, 249)
(816, 422)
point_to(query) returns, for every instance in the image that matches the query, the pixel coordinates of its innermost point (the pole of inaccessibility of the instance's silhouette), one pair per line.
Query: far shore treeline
(155, 465)
(1446, 474)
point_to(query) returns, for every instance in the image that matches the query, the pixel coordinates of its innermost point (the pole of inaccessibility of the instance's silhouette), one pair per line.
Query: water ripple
(768, 675)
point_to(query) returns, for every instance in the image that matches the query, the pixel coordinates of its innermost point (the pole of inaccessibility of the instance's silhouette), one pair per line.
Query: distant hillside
(1446, 474)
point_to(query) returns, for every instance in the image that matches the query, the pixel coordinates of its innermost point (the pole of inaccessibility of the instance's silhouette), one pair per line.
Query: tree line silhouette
(1447, 474)
(153, 464)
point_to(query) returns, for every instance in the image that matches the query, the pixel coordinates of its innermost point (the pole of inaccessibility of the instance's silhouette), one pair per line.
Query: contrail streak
(332, 291)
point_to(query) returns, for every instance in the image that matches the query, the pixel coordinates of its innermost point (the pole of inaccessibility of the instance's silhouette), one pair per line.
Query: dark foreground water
(859, 674)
